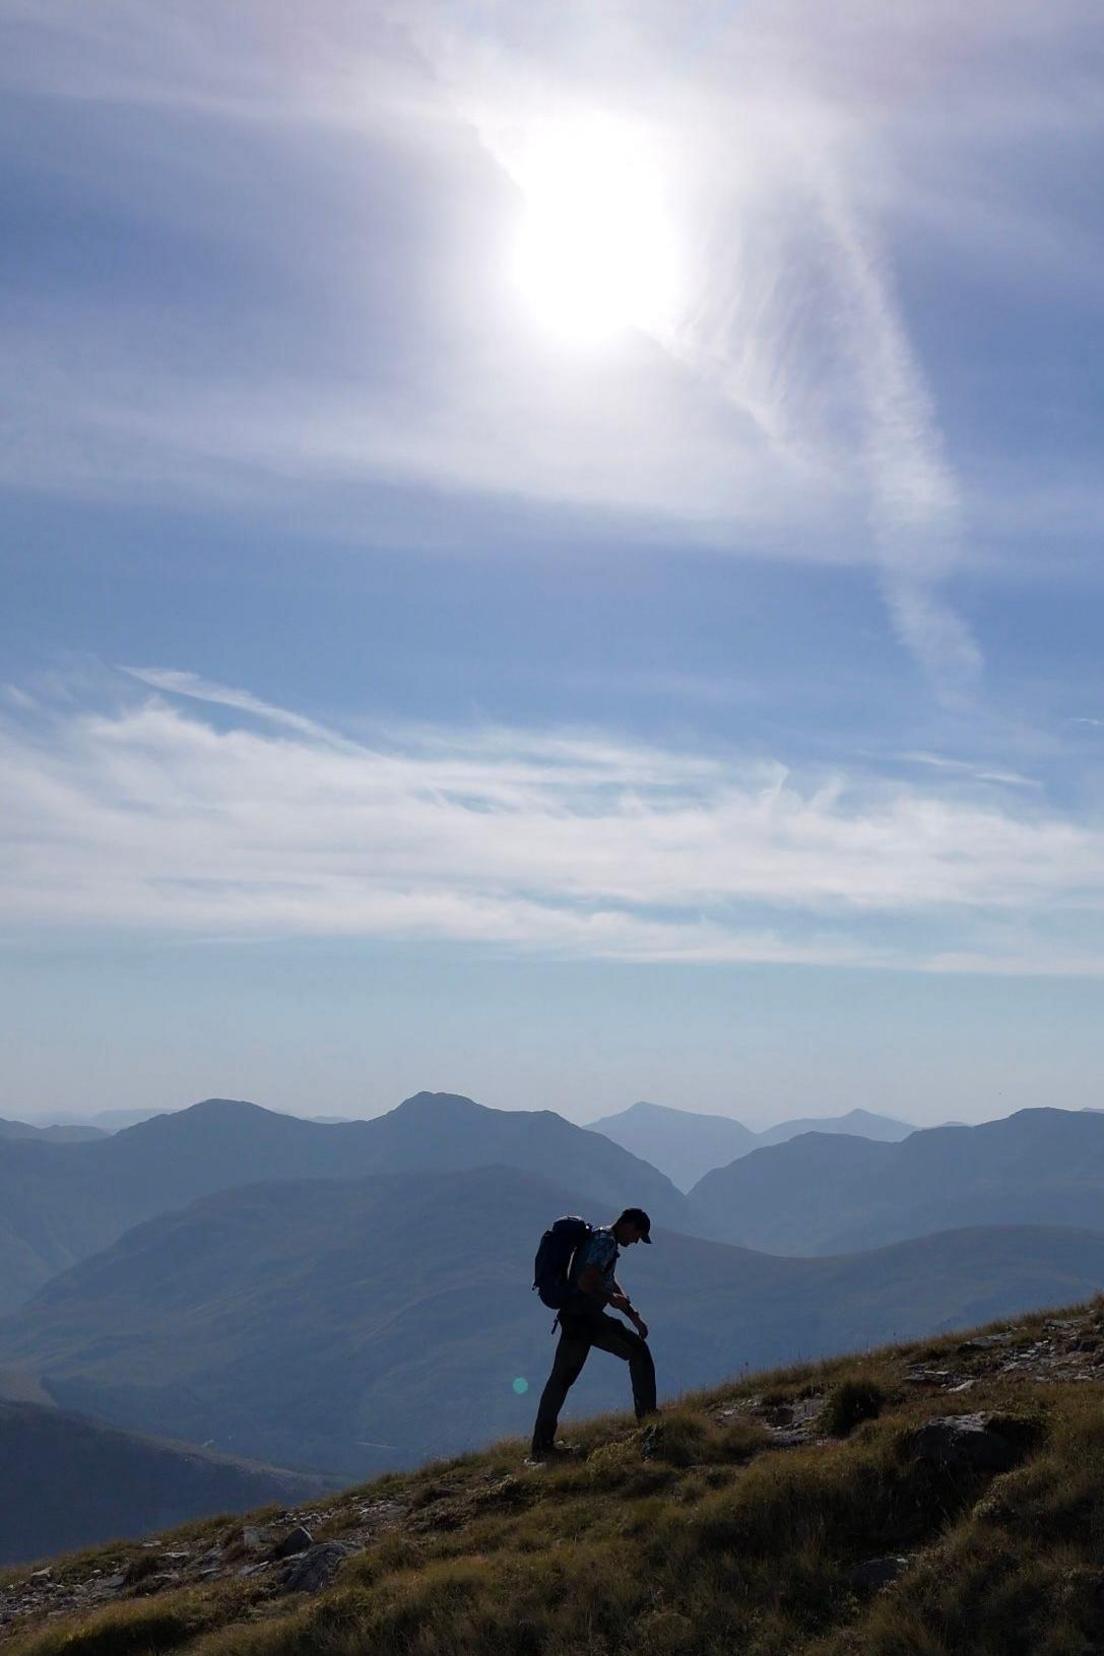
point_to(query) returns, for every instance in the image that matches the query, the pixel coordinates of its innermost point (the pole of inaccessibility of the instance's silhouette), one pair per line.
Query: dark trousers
(578, 1332)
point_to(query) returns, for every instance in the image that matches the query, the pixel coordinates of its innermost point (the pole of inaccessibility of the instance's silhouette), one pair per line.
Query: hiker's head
(633, 1226)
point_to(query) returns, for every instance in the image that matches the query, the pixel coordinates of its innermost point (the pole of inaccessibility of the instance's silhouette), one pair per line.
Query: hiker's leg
(567, 1365)
(610, 1335)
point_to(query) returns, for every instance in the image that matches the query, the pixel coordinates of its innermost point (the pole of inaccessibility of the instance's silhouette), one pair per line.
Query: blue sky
(551, 552)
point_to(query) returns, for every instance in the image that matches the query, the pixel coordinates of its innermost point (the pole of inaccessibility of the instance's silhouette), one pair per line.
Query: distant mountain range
(69, 1481)
(109, 1121)
(354, 1296)
(686, 1145)
(56, 1133)
(822, 1194)
(354, 1325)
(59, 1203)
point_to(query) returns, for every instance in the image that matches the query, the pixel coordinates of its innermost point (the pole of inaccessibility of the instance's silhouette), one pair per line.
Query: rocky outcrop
(969, 1443)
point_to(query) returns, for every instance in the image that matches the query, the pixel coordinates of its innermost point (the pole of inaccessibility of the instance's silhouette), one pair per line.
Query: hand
(620, 1302)
(641, 1325)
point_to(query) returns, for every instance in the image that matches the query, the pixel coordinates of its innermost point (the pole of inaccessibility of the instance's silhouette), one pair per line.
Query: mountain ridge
(60, 1203)
(71, 1481)
(822, 1193)
(687, 1144)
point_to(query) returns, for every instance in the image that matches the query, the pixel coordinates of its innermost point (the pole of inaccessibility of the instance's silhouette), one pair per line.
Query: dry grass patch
(137, 1627)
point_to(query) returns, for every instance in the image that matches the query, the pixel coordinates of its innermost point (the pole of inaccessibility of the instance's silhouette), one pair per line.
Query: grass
(850, 1403)
(694, 1535)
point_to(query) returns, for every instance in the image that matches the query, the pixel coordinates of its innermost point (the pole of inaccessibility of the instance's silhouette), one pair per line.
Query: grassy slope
(704, 1535)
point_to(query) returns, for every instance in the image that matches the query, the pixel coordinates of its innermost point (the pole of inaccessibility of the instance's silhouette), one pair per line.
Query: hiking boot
(552, 1452)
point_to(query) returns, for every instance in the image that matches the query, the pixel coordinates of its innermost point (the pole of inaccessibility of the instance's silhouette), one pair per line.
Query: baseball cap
(637, 1217)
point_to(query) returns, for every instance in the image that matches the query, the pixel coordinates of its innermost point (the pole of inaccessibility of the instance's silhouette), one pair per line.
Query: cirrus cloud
(201, 810)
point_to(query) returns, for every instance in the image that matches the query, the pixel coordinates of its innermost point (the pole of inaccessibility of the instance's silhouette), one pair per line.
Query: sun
(596, 252)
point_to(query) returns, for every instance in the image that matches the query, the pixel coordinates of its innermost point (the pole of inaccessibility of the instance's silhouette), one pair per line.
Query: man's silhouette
(584, 1323)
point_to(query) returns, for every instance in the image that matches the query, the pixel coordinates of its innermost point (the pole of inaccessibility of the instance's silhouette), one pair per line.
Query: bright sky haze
(552, 552)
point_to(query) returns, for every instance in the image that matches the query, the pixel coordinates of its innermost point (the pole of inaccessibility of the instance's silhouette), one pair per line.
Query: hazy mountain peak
(859, 1116)
(206, 1115)
(682, 1143)
(644, 1107)
(438, 1104)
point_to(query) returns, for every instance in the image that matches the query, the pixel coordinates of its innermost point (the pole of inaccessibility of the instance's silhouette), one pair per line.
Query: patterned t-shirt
(600, 1250)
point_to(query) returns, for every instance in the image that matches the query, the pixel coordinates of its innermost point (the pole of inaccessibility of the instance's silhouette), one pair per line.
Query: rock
(875, 1573)
(296, 1541)
(155, 1584)
(315, 1568)
(789, 1437)
(967, 1442)
(113, 1583)
(381, 1512)
(251, 1537)
(985, 1342)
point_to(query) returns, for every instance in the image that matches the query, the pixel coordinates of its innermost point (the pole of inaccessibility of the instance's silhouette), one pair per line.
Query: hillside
(931, 1499)
(822, 1194)
(351, 1326)
(60, 1203)
(69, 1481)
(686, 1145)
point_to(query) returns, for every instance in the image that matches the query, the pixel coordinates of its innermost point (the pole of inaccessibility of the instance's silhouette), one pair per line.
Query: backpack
(552, 1266)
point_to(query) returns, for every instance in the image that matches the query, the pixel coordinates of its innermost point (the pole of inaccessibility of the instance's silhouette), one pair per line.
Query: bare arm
(590, 1282)
(621, 1302)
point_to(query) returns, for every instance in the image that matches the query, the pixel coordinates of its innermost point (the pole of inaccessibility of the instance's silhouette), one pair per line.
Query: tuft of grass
(852, 1401)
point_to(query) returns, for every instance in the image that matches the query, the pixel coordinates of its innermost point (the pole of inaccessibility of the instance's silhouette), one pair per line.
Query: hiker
(591, 1286)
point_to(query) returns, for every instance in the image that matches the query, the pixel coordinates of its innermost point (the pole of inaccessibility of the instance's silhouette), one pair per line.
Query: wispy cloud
(147, 816)
(221, 695)
(973, 769)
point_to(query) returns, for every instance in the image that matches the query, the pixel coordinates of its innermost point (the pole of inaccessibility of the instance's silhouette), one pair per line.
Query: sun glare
(596, 251)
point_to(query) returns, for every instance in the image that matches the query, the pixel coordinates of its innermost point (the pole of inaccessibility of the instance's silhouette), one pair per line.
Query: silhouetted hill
(856, 1123)
(682, 1143)
(114, 1121)
(69, 1481)
(352, 1325)
(61, 1203)
(54, 1134)
(820, 1194)
(686, 1145)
